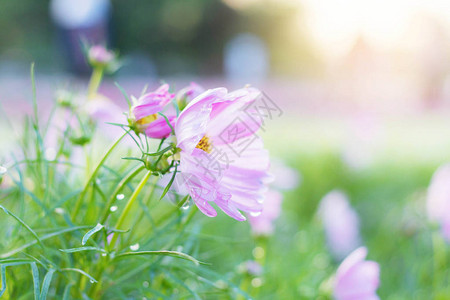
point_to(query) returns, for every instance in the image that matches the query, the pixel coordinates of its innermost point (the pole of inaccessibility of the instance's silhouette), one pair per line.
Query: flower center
(204, 144)
(147, 120)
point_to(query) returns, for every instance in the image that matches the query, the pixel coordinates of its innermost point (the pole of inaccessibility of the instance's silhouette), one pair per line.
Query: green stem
(103, 261)
(439, 258)
(120, 186)
(83, 193)
(128, 206)
(94, 82)
(147, 200)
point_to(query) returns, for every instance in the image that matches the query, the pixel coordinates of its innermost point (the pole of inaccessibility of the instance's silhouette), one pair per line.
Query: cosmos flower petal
(159, 128)
(357, 278)
(193, 120)
(231, 177)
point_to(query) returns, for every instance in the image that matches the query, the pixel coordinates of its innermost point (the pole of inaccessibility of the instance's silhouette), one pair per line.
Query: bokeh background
(364, 87)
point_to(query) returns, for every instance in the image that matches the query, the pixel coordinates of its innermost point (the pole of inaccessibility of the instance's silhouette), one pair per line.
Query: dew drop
(92, 281)
(256, 282)
(113, 208)
(59, 210)
(186, 205)
(98, 181)
(145, 284)
(255, 214)
(120, 196)
(103, 254)
(50, 153)
(258, 252)
(134, 247)
(3, 170)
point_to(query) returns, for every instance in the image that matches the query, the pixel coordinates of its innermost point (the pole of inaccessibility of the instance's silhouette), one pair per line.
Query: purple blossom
(210, 167)
(357, 278)
(341, 223)
(99, 55)
(262, 224)
(144, 116)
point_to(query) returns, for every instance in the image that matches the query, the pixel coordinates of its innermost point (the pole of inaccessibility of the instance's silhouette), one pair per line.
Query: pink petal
(159, 128)
(192, 121)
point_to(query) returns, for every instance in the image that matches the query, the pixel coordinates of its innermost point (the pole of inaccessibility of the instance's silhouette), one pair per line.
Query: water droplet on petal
(113, 208)
(255, 213)
(120, 196)
(134, 247)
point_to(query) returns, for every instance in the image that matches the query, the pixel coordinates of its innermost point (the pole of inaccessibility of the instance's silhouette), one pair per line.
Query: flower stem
(439, 258)
(103, 260)
(148, 198)
(119, 187)
(83, 193)
(128, 206)
(94, 82)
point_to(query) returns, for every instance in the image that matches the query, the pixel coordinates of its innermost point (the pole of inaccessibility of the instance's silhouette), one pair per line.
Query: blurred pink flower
(438, 199)
(285, 178)
(356, 278)
(99, 55)
(210, 132)
(341, 224)
(103, 111)
(144, 113)
(190, 92)
(262, 224)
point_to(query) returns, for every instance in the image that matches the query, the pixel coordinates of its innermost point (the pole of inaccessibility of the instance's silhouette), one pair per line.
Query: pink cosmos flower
(262, 224)
(438, 199)
(357, 278)
(341, 223)
(222, 161)
(144, 113)
(103, 111)
(99, 55)
(285, 178)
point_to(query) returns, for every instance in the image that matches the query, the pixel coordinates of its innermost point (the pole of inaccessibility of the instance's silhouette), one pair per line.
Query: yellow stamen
(147, 119)
(204, 144)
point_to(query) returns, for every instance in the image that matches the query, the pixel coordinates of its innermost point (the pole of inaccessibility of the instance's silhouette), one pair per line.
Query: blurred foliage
(390, 200)
(178, 36)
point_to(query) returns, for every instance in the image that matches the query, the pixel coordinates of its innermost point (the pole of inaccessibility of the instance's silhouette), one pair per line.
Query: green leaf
(72, 250)
(180, 282)
(166, 189)
(122, 90)
(3, 275)
(92, 279)
(66, 294)
(86, 237)
(117, 230)
(15, 260)
(161, 252)
(46, 284)
(23, 224)
(134, 158)
(33, 87)
(167, 121)
(36, 282)
(47, 236)
(159, 152)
